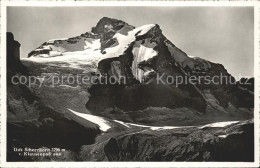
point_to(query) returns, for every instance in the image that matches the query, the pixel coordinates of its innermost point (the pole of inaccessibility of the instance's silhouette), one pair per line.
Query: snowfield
(158, 128)
(91, 54)
(103, 124)
(219, 124)
(122, 123)
(92, 44)
(75, 59)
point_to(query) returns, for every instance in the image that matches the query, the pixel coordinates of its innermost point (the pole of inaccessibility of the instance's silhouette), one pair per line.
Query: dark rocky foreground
(231, 143)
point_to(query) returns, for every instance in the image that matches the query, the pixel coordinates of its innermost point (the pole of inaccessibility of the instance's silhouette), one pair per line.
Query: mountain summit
(142, 55)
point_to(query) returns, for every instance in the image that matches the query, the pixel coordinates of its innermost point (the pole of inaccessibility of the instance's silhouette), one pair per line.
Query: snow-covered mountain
(141, 55)
(111, 38)
(105, 116)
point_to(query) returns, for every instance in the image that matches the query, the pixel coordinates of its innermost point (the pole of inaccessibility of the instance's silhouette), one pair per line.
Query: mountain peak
(107, 24)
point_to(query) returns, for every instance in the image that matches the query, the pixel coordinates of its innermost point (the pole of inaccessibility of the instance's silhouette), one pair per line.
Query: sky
(219, 34)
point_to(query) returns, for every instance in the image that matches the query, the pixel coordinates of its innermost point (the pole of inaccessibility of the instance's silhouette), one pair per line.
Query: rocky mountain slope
(31, 122)
(133, 109)
(205, 143)
(140, 56)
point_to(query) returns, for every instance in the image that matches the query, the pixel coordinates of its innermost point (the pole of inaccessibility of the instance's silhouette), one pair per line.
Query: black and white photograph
(123, 83)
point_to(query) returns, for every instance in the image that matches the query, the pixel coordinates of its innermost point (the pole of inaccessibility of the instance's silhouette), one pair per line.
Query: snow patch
(154, 128)
(55, 53)
(158, 128)
(52, 40)
(164, 128)
(138, 125)
(142, 52)
(76, 59)
(219, 124)
(124, 38)
(147, 72)
(93, 44)
(222, 136)
(122, 123)
(70, 87)
(94, 119)
(191, 56)
(144, 29)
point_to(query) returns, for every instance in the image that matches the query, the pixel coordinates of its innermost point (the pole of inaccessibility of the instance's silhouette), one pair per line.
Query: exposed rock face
(231, 143)
(50, 130)
(152, 55)
(13, 50)
(142, 62)
(20, 99)
(13, 56)
(242, 94)
(106, 28)
(139, 97)
(30, 123)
